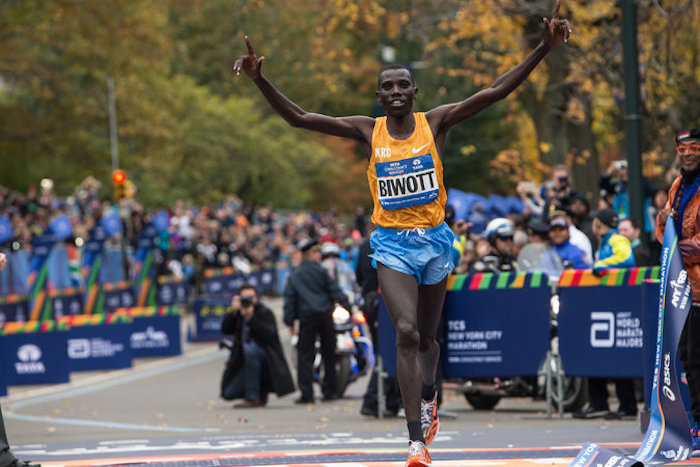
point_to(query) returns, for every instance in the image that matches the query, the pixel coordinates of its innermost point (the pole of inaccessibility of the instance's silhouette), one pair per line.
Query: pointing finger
(250, 47)
(555, 11)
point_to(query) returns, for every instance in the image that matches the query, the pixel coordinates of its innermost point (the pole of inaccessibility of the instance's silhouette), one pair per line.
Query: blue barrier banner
(35, 358)
(494, 325)
(100, 347)
(156, 336)
(116, 296)
(171, 291)
(600, 323)
(667, 437)
(226, 282)
(14, 308)
(3, 371)
(209, 313)
(66, 303)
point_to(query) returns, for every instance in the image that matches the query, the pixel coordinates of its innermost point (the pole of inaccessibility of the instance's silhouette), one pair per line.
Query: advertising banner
(155, 332)
(600, 322)
(66, 302)
(14, 308)
(172, 291)
(34, 353)
(209, 313)
(38, 274)
(494, 325)
(144, 270)
(226, 282)
(115, 296)
(667, 437)
(99, 342)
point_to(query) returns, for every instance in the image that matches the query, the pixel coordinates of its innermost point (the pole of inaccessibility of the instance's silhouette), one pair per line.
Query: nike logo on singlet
(416, 151)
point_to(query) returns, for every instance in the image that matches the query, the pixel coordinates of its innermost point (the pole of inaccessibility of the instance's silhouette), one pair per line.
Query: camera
(563, 181)
(246, 302)
(620, 165)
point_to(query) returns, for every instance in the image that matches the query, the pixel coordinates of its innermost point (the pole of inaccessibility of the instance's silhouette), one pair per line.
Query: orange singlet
(405, 178)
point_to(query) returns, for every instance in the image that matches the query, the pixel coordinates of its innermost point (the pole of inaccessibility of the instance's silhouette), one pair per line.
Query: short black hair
(247, 286)
(396, 66)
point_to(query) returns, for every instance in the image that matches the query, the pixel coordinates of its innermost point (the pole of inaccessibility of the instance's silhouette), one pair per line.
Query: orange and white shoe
(429, 422)
(418, 455)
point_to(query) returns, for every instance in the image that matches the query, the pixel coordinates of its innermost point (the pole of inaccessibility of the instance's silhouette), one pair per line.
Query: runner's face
(396, 92)
(690, 158)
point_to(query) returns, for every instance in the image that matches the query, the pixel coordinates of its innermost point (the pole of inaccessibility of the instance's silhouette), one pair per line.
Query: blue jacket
(567, 251)
(615, 251)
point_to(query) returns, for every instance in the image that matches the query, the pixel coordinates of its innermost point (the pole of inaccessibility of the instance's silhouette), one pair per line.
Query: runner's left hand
(556, 29)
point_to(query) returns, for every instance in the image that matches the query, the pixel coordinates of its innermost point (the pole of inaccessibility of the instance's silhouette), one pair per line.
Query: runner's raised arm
(358, 128)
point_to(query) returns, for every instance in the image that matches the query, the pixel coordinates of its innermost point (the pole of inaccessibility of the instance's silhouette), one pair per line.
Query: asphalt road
(172, 405)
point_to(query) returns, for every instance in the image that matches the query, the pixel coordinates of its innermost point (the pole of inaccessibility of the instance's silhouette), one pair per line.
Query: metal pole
(633, 120)
(114, 143)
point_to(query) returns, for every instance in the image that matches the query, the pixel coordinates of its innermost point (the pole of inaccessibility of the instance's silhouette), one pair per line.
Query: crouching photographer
(257, 365)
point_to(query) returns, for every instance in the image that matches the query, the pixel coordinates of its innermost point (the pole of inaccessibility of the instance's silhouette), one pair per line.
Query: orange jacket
(690, 246)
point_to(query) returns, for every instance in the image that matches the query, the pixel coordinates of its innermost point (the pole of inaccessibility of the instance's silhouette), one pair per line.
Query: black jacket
(310, 290)
(263, 331)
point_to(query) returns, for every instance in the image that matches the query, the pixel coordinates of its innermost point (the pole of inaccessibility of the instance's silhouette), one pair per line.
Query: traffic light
(119, 177)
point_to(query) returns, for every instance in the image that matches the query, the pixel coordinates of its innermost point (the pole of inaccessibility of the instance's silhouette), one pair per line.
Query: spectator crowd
(553, 232)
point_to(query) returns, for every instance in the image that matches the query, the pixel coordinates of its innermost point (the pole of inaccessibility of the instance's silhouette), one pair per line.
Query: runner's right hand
(250, 64)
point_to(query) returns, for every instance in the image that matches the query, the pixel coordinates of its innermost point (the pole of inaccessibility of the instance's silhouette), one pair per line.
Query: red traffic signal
(118, 177)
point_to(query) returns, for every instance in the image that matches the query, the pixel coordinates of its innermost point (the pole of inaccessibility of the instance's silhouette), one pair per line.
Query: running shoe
(429, 422)
(418, 455)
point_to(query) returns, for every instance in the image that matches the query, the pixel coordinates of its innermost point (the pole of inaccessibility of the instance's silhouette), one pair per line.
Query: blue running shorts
(424, 253)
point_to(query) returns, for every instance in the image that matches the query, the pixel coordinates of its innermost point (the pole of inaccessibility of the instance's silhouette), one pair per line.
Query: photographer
(257, 364)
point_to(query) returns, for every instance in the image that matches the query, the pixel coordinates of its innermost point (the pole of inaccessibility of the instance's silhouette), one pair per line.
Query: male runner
(412, 244)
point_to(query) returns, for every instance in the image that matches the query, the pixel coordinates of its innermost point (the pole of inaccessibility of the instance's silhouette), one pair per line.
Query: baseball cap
(306, 245)
(692, 133)
(608, 217)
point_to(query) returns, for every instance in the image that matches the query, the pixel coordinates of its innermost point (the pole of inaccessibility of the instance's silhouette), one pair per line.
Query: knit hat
(608, 217)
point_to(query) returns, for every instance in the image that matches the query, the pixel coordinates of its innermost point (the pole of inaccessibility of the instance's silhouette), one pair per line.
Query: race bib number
(408, 182)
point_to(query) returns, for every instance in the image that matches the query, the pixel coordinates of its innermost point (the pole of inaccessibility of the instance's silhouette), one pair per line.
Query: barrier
(172, 291)
(66, 302)
(226, 281)
(34, 353)
(155, 332)
(600, 322)
(99, 342)
(14, 308)
(209, 314)
(116, 296)
(494, 325)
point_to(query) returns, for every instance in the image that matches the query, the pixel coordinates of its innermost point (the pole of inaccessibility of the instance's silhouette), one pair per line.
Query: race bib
(408, 182)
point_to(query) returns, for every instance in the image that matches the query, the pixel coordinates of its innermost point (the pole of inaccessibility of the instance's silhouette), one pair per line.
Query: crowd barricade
(14, 307)
(99, 341)
(30, 352)
(600, 322)
(209, 314)
(66, 302)
(494, 325)
(172, 291)
(226, 281)
(155, 332)
(116, 296)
